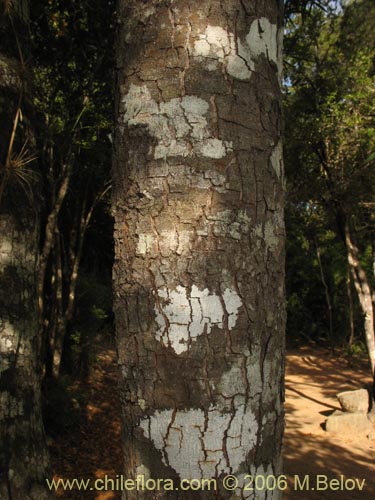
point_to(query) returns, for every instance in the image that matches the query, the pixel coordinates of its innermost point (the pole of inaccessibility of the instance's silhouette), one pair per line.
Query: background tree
(198, 273)
(73, 98)
(23, 454)
(330, 121)
(60, 117)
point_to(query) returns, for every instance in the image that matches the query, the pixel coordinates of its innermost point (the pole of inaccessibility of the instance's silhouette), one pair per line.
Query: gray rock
(349, 423)
(354, 401)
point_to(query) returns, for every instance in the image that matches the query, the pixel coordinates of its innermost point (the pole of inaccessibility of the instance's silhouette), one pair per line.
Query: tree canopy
(329, 154)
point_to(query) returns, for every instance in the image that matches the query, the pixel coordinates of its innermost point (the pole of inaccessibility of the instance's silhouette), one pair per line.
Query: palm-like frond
(17, 166)
(17, 172)
(8, 4)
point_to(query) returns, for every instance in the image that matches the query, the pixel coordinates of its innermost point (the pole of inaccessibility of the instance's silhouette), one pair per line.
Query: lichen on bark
(198, 206)
(23, 455)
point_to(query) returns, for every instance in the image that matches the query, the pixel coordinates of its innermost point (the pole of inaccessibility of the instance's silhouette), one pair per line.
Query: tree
(331, 124)
(199, 235)
(72, 96)
(23, 455)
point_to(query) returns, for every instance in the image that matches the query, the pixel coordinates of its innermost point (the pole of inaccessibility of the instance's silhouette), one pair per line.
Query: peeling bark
(199, 233)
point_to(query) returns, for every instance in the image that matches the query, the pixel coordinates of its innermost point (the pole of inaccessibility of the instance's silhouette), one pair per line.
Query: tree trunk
(65, 305)
(199, 233)
(364, 296)
(23, 452)
(351, 311)
(23, 455)
(326, 293)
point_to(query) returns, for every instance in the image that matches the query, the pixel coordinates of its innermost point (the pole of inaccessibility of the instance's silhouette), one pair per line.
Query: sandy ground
(313, 379)
(314, 376)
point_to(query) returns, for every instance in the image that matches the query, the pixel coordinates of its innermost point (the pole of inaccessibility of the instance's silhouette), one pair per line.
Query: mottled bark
(23, 452)
(199, 231)
(23, 456)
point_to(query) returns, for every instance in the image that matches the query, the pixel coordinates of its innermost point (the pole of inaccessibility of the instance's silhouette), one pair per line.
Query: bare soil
(313, 377)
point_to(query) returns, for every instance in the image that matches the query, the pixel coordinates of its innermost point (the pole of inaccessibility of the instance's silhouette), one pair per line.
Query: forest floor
(314, 376)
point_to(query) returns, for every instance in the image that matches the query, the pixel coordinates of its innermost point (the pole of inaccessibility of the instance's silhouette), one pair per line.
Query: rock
(349, 423)
(355, 401)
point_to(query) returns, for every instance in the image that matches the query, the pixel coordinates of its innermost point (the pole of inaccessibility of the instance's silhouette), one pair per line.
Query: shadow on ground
(314, 376)
(93, 450)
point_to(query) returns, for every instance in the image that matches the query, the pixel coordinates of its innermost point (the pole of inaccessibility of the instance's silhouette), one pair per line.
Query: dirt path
(94, 449)
(313, 378)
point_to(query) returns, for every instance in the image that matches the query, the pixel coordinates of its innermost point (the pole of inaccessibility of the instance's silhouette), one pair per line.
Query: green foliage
(93, 319)
(73, 68)
(329, 155)
(308, 315)
(99, 314)
(73, 83)
(358, 348)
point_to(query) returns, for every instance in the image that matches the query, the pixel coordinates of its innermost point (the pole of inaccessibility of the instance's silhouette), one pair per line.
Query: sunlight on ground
(313, 379)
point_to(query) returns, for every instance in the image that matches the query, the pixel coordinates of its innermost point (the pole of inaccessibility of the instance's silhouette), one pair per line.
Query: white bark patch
(182, 315)
(239, 56)
(192, 441)
(213, 148)
(262, 39)
(6, 344)
(277, 159)
(145, 243)
(179, 125)
(9, 339)
(219, 44)
(142, 403)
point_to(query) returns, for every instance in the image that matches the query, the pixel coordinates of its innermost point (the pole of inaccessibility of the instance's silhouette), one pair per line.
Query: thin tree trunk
(60, 325)
(50, 322)
(198, 204)
(66, 312)
(350, 306)
(326, 293)
(364, 295)
(49, 242)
